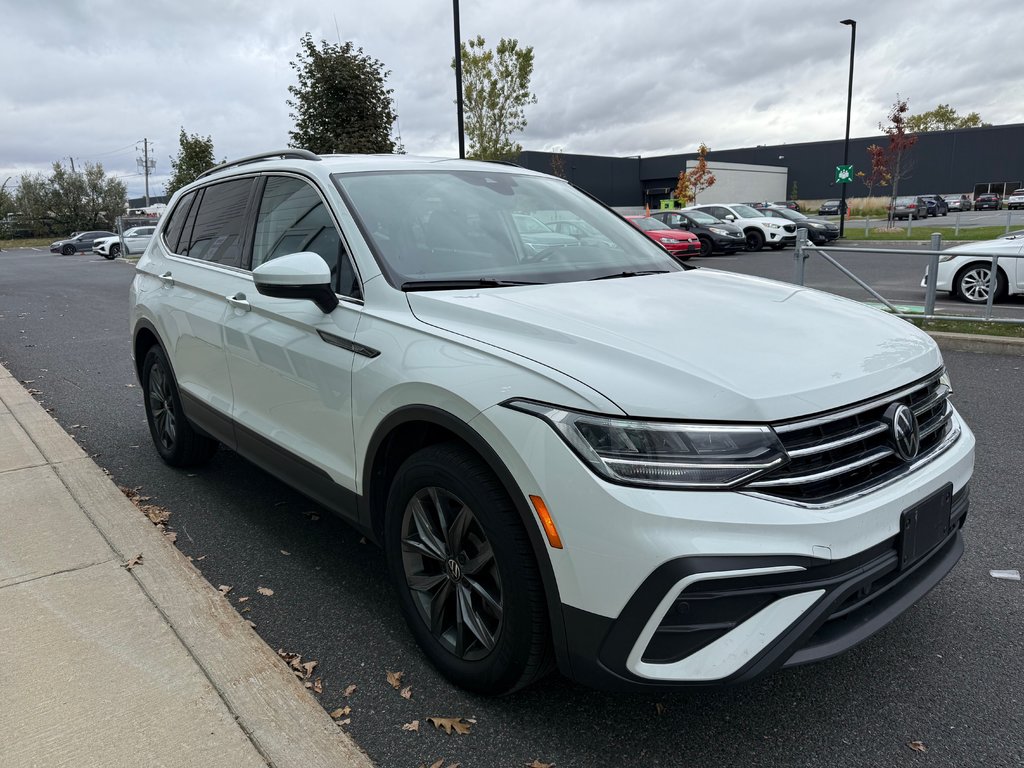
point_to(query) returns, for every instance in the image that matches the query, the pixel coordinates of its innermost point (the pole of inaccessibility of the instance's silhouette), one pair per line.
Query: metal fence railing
(804, 249)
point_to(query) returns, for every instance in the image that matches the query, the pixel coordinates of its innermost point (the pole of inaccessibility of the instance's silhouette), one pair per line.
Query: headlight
(770, 225)
(718, 231)
(813, 224)
(947, 256)
(662, 454)
(945, 381)
(670, 240)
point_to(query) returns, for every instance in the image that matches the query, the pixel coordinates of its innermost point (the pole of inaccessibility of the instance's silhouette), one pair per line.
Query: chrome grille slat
(839, 443)
(850, 451)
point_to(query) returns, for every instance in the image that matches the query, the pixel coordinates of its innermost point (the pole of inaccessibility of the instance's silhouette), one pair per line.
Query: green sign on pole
(844, 174)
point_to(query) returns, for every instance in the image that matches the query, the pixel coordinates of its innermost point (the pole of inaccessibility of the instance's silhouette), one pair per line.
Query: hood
(697, 344)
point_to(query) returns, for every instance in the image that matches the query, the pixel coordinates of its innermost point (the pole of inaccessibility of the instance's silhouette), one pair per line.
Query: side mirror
(303, 275)
(730, 217)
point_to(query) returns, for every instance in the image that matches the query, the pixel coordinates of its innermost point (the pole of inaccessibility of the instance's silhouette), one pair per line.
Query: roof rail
(288, 154)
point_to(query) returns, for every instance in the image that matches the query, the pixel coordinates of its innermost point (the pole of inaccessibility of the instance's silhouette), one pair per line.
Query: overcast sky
(90, 79)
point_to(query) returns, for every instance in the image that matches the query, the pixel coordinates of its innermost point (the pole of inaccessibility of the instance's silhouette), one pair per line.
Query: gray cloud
(90, 78)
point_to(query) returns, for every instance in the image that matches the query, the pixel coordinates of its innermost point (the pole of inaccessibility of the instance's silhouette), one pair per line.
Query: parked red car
(678, 242)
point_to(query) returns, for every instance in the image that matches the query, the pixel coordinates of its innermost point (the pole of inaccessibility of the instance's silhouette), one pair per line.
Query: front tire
(971, 283)
(755, 240)
(465, 572)
(177, 441)
(68, 250)
(115, 251)
(706, 246)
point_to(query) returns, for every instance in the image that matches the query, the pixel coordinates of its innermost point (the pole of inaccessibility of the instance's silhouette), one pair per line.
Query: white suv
(135, 240)
(585, 455)
(758, 229)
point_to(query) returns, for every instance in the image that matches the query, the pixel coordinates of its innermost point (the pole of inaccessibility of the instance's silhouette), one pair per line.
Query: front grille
(789, 227)
(850, 451)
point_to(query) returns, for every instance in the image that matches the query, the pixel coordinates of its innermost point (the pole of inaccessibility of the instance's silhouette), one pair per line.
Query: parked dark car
(829, 208)
(988, 201)
(959, 202)
(819, 231)
(937, 206)
(79, 241)
(909, 207)
(714, 234)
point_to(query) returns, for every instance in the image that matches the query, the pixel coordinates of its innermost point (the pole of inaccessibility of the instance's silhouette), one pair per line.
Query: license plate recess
(924, 525)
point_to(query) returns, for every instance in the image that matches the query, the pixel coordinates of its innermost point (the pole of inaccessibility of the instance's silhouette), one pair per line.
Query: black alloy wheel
(176, 440)
(465, 572)
(68, 249)
(755, 240)
(115, 251)
(706, 246)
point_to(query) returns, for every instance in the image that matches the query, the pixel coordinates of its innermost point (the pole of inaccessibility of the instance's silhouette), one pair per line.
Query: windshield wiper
(450, 285)
(632, 274)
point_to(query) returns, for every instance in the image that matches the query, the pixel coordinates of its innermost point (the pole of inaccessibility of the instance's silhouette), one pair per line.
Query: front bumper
(664, 588)
(728, 243)
(733, 619)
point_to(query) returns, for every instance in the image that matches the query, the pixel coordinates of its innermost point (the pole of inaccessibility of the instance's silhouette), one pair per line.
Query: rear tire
(467, 580)
(177, 441)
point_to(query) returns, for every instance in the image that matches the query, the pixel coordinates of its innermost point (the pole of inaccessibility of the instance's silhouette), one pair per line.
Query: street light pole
(849, 102)
(458, 78)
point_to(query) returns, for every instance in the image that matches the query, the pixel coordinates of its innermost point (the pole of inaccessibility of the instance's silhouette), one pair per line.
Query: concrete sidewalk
(102, 665)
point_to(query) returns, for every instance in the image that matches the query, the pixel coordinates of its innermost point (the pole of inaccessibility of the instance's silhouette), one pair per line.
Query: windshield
(786, 213)
(492, 226)
(746, 212)
(699, 217)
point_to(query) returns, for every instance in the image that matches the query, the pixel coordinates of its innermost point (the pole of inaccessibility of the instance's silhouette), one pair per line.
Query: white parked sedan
(135, 241)
(965, 270)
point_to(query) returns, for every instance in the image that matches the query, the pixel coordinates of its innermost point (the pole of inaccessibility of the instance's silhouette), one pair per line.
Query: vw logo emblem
(453, 569)
(906, 438)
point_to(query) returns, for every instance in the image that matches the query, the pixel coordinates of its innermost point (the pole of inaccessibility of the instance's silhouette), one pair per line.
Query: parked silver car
(958, 202)
(909, 207)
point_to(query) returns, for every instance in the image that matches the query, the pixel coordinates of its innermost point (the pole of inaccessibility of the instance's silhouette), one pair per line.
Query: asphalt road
(949, 673)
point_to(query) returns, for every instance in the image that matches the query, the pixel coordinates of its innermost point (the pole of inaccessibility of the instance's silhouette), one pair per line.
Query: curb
(288, 727)
(967, 342)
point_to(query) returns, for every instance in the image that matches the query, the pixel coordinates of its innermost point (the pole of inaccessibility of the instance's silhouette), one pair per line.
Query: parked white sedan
(965, 270)
(135, 241)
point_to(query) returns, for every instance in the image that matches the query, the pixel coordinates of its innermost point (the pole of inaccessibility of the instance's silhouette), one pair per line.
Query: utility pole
(146, 164)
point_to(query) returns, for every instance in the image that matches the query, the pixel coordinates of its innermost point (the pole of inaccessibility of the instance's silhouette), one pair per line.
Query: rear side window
(217, 234)
(174, 227)
(293, 218)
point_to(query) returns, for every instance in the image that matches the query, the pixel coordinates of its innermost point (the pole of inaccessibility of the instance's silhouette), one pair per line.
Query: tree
(879, 176)
(69, 200)
(694, 181)
(341, 103)
(943, 118)
(195, 155)
(894, 158)
(794, 192)
(495, 93)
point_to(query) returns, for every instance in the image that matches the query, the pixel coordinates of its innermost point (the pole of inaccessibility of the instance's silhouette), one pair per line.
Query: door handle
(238, 301)
(166, 279)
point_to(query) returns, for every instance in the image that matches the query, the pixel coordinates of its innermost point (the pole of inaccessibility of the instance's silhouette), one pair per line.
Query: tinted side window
(172, 232)
(293, 218)
(217, 234)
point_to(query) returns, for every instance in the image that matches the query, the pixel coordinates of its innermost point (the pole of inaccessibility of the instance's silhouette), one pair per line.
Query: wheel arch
(145, 336)
(410, 428)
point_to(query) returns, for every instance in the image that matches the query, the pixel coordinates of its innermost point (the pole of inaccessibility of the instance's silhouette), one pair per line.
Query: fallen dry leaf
(224, 589)
(659, 708)
(449, 724)
(252, 624)
(318, 685)
(171, 536)
(341, 712)
(539, 764)
(918, 746)
(394, 679)
(413, 726)
(349, 690)
(294, 660)
(242, 599)
(285, 552)
(201, 557)
(308, 668)
(346, 721)
(266, 591)
(406, 693)
(137, 560)
(438, 764)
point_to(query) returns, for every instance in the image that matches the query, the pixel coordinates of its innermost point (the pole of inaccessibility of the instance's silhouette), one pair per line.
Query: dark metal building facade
(968, 160)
